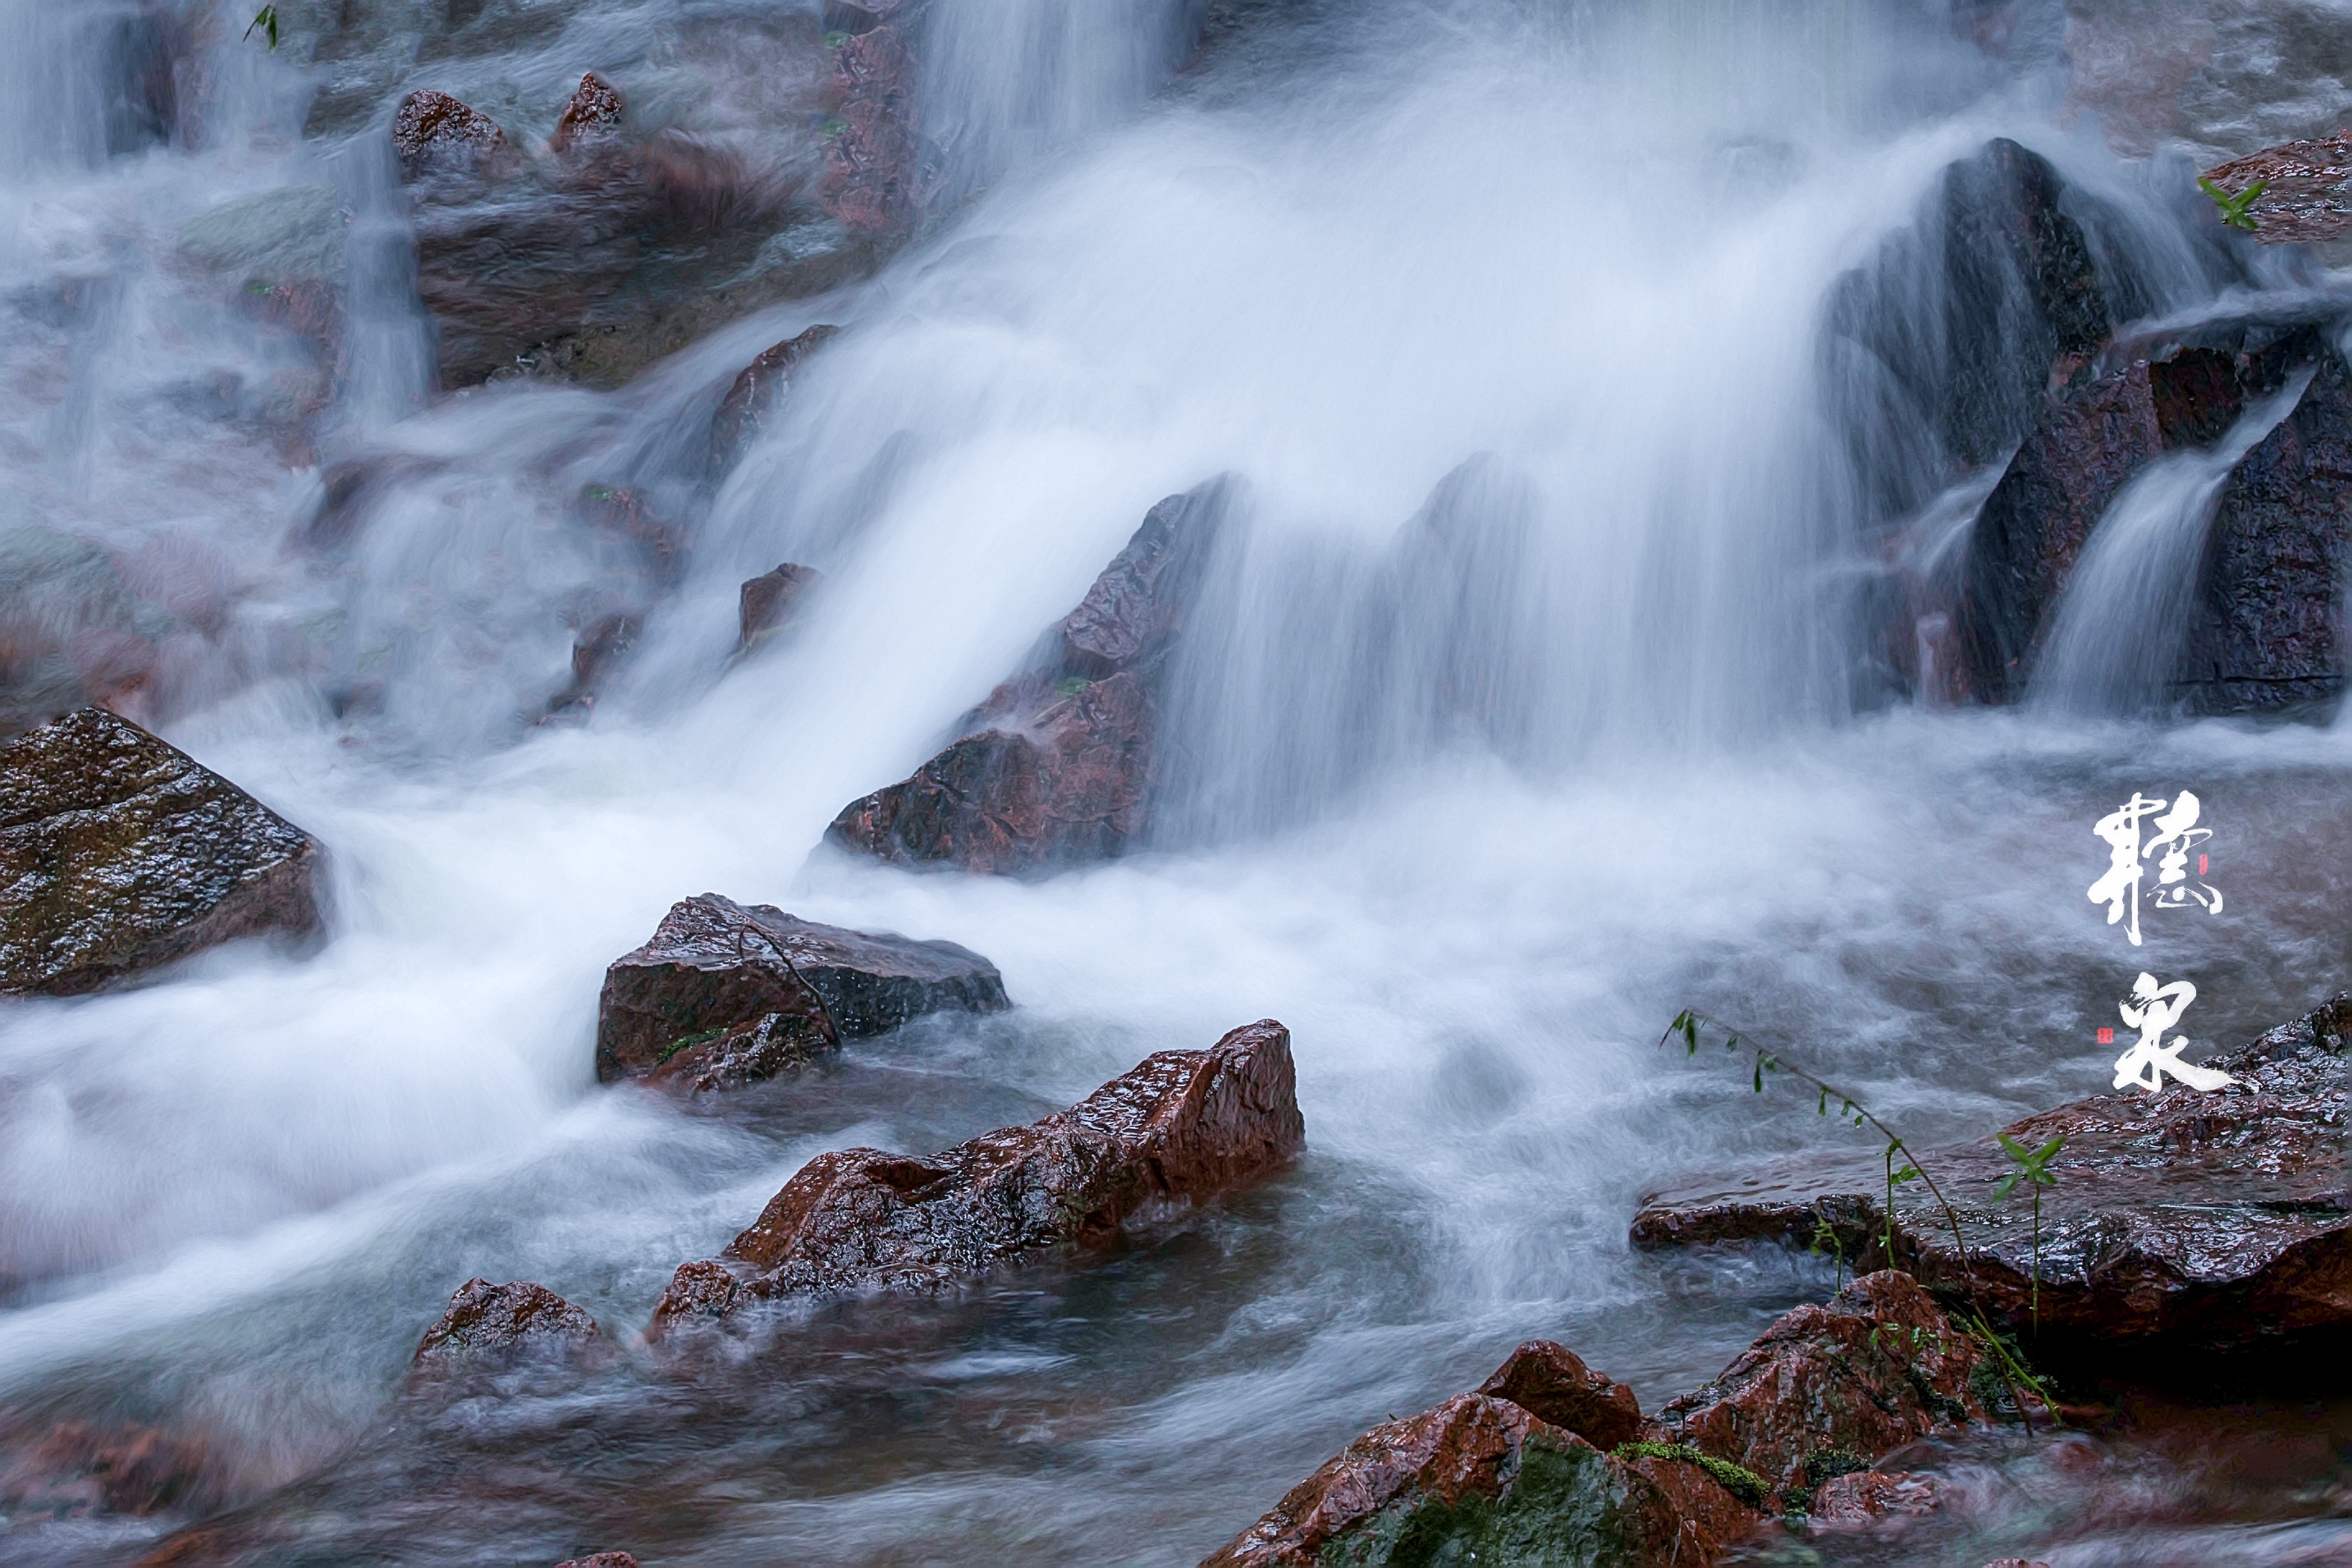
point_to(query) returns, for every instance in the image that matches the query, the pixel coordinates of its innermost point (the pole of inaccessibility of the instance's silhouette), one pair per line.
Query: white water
(1587, 249)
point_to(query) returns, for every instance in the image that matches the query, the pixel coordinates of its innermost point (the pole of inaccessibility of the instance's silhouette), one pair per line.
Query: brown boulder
(120, 853)
(880, 169)
(2307, 189)
(719, 973)
(751, 399)
(71, 1469)
(1182, 1125)
(1879, 1366)
(1482, 1479)
(2204, 1222)
(434, 132)
(1872, 1496)
(592, 111)
(769, 602)
(602, 1560)
(1550, 1382)
(487, 1327)
(1060, 764)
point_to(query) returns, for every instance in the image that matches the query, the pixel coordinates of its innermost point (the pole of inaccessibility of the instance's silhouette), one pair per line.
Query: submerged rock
(592, 112)
(881, 170)
(2195, 1222)
(1872, 1496)
(1059, 766)
(602, 1560)
(751, 399)
(490, 1327)
(73, 1470)
(1184, 1125)
(434, 132)
(754, 984)
(120, 853)
(769, 602)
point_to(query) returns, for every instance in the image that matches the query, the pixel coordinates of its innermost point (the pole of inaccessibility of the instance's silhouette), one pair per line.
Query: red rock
(1879, 1366)
(2308, 196)
(2202, 1221)
(880, 170)
(770, 601)
(1182, 1125)
(490, 1326)
(1482, 1479)
(1551, 1382)
(435, 132)
(2018, 1563)
(751, 400)
(71, 1469)
(772, 1046)
(119, 853)
(594, 112)
(714, 965)
(602, 1560)
(1059, 766)
(1872, 1496)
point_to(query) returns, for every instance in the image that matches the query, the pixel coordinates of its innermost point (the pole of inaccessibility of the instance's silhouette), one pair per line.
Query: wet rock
(1184, 1125)
(72, 632)
(1877, 1367)
(487, 1327)
(1059, 766)
(714, 965)
(140, 81)
(880, 170)
(604, 645)
(2307, 189)
(770, 601)
(1482, 1479)
(434, 132)
(2182, 1220)
(592, 112)
(1550, 1382)
(1872, 1496)
(752, 398)
(75, 1470)
(120, 853)
(602, 1560)
(776, 1045)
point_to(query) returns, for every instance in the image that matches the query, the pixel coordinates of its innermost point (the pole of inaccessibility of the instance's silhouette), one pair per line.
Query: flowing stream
(1541, 283)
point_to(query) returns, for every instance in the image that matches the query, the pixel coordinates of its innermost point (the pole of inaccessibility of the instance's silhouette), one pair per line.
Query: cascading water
(1522, 709)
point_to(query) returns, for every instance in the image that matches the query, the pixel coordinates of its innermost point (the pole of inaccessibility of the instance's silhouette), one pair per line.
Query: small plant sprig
(2013, 1371)
(266, 20)
(2234, 208)
(2033, 1170)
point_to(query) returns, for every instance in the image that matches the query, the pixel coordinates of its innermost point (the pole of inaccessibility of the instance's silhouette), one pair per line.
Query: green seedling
(2234, 208)
(266, 20)
(2034, 1171)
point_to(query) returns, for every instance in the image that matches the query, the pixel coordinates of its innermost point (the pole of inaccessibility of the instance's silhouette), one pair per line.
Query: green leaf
(2005, 1185)
(1824, 1109)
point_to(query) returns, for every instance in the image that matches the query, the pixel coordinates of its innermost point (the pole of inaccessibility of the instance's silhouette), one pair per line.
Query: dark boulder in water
(2187, 1220)
(434, 132)
(881, 170)
(52, 1470)
(1059, 766)
(122, 853)
(592, 112)
(768, 602)
(718, 973)
(1184, 1125)
(492, 1327)
(752, 398)
(1551, 1380)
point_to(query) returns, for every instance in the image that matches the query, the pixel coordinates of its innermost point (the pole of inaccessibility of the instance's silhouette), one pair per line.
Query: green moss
(1563, 1509)
(686, 1042)
(1740, 1483)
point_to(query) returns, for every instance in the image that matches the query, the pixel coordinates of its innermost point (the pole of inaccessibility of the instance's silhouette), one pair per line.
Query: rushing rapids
(1711, 500)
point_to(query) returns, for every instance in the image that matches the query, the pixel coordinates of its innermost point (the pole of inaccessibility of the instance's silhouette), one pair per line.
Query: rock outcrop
(592, 112)
(489, 1327)
(120, 853)
(754, 983)
(1551, 1382)
(434, 133)
(769, 602)
(881, 170)
(1184, 1125)
(1059, 764)
(752, 398)
(2307, 196)
(2195, 1222)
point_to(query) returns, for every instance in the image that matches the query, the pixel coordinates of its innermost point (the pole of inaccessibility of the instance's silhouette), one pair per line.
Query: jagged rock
(1482, 1479)
(592, 111)
(120, 853)
(880, 170)
(1182, 1125)
(776, 1045)
(1877, 1367)
(769, 602)
(1550, 1382)
(2307, 189)
(73, 1470)
(1872, 1496)
(1059, 764)
(2198, 1221)
(751, 399)
(487, 1327)
(717, 973)
(434, 131)
(602, 1560)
